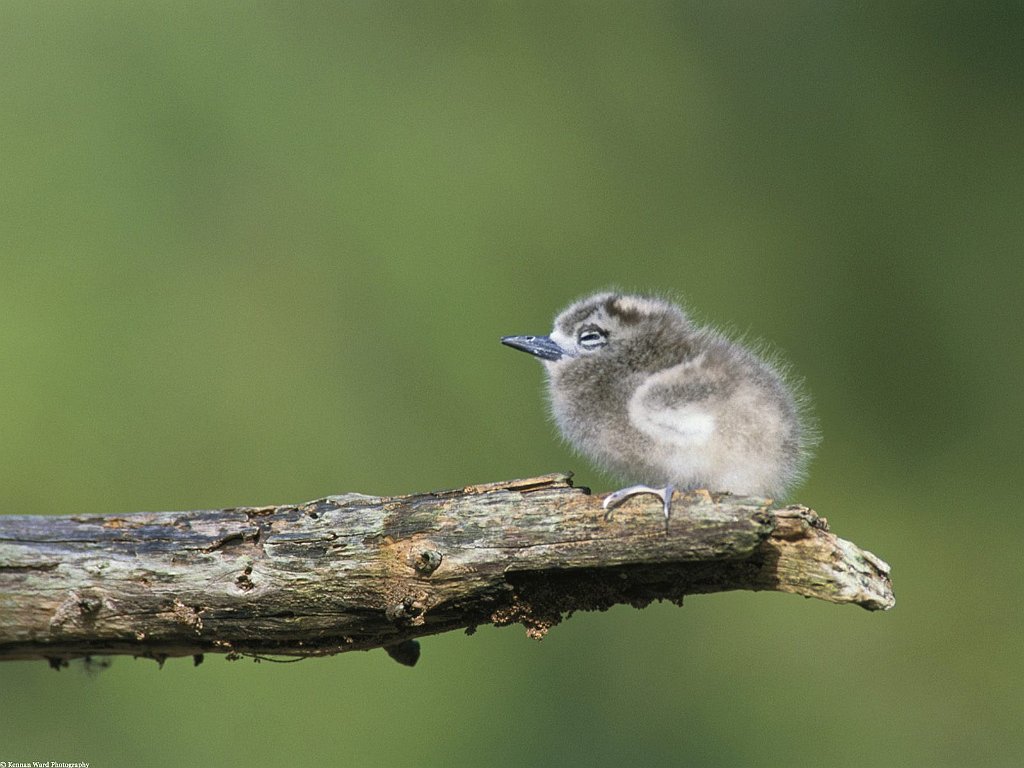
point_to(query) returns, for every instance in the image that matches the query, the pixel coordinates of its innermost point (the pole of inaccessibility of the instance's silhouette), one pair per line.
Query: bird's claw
(615, 498)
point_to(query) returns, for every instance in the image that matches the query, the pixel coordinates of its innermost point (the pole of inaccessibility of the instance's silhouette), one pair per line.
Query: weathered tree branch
(357, 572)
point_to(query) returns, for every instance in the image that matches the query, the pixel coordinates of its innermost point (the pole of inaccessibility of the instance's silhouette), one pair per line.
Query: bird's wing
(675, 405)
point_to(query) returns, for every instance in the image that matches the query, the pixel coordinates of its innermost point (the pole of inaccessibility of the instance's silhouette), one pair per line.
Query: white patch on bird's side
(682, 425)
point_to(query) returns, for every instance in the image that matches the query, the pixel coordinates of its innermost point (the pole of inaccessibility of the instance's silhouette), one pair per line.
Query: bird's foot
(615, 498)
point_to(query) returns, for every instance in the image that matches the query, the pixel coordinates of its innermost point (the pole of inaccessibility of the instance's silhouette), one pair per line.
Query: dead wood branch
(357, 572)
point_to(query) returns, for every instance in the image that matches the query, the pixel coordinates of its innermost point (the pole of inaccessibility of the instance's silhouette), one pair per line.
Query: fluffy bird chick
(651, 397)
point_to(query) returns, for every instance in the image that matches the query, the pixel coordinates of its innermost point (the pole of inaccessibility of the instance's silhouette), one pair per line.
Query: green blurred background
(257, 253)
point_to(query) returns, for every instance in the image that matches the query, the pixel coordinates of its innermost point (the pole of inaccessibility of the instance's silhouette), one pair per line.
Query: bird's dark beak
(538, 346)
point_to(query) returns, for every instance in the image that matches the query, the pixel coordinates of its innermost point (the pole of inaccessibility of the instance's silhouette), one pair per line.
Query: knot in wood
(407, 612)
(428, 562)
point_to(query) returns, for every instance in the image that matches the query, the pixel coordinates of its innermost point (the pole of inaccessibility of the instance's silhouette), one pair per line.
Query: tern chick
(653, 398)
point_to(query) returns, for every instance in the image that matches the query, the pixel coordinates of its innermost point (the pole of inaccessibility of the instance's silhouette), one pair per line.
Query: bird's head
(641, 332)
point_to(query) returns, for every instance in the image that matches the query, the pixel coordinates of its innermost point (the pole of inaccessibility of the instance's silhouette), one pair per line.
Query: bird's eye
(592, 337)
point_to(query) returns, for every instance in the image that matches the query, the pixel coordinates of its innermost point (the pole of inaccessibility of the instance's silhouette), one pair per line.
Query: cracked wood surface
(358, 572)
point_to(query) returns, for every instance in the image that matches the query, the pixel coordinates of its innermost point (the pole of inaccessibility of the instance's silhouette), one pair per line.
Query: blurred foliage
(257, 253)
